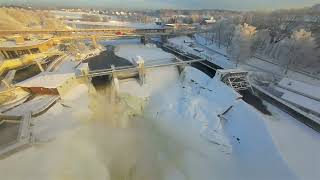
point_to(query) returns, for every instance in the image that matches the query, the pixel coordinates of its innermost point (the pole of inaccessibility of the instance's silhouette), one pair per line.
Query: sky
(175, 4)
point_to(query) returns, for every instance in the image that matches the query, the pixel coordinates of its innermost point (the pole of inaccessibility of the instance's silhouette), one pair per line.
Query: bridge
(107, 33)
(99, 32)
(138, 69)
(135, 69)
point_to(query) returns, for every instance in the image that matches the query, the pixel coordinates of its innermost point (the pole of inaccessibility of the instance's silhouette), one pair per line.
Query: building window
(34, 50)
(4, 55)
(12, 54)
(22, 52)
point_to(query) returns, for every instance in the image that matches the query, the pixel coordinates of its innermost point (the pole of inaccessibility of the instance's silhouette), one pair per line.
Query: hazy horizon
(172, 4)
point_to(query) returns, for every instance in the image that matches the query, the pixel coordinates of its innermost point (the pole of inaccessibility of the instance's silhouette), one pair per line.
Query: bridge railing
(124, 69)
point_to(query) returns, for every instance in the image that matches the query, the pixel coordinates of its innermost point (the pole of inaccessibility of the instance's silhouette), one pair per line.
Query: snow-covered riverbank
(175, 126)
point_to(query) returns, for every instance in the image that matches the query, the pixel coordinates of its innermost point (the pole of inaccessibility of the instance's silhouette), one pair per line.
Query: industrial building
(18, 46)
(49, 83)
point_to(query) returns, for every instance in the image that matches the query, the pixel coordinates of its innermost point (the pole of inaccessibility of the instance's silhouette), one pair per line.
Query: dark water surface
(104, 61)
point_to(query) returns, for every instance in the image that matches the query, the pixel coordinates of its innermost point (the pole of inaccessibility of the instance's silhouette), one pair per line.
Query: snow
(300, 94)
(297, 143)
(32, 105)
(180, 40)
(300, 87)
(119, 42)
(183, 43)
(303, 101)
(114, 23)
(303, 84)
(76, 92)
(150, 53)
(46, 80)
(207, 146)
(67, 67)
(255, 63)
(193, 74)
(189, 137)
(155, 80)
(64, 115)
(213, 46)
(59, 146)
(188, 114)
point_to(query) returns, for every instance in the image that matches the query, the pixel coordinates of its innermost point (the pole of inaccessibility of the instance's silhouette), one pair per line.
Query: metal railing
(124, 69)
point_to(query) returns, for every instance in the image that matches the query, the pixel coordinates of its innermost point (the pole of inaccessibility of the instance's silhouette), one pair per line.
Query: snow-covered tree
(302, 50)
(241, 47)
(222, 32)
(261, 41)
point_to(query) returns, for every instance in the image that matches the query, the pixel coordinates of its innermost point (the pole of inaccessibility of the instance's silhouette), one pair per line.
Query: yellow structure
(18, 39)
(18, 47)
(20, 62)
(12, 96)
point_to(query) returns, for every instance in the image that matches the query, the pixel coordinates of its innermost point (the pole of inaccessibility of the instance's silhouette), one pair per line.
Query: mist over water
(133, 145)
(123, 140)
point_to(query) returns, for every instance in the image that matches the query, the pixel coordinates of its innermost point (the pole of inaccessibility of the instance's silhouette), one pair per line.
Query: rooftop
(46, 80)
(12, 43)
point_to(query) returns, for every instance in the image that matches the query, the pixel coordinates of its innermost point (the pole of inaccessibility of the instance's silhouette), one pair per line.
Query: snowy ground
(115, 23)
(222, 148)
(156, 78)
(256, 64)
(298, 144)
(207, 43)
(167, 128)
(258, 68)
(150, 53)
(284, 131)
(183, 43)
(49, 157)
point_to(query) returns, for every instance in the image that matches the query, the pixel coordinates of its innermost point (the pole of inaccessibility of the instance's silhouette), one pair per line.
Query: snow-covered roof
(46, 80)
(67, 67)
